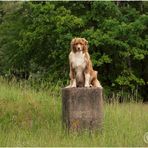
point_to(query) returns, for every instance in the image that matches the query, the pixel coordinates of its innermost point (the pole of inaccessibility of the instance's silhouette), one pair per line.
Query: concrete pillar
(82, 108)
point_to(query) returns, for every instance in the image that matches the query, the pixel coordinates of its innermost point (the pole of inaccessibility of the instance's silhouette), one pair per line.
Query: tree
(35, 37)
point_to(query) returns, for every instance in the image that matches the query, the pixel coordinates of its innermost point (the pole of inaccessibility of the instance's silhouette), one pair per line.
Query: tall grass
(30, 117)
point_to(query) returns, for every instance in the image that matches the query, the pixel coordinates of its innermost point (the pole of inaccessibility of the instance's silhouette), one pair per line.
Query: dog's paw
(73, 86)
(87, 85)
(70, 86)
(99, 86)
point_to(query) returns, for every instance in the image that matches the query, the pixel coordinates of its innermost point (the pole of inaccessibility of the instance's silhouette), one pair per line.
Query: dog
(81, 70)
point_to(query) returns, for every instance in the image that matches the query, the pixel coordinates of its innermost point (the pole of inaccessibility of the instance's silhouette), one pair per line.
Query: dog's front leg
(87, 74)
(73, 83)
(87, 79)
(72, 77)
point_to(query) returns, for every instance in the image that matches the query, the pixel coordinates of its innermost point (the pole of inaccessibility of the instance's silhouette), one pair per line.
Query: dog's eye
(81, 43)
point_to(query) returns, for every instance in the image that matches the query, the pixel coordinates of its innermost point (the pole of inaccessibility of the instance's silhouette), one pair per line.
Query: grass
(33, 118)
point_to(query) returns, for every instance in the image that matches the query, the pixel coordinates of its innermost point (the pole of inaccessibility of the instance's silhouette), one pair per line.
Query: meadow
(31, 117)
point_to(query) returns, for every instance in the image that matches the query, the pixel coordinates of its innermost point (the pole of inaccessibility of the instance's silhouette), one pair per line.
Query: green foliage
(35, 37)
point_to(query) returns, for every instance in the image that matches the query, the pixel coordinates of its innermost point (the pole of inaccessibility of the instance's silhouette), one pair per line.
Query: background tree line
(35, 40)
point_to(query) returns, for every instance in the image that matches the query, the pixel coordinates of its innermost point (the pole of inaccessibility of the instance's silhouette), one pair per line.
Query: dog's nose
(78, 48)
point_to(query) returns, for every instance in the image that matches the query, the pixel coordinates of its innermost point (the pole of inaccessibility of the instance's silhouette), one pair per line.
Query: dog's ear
(72, 44)
(86, 44)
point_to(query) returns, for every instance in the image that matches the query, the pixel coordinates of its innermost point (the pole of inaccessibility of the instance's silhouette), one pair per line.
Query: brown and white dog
(81, 70)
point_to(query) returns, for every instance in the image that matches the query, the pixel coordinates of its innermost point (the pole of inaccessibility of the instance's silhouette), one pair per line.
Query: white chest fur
(77, 60)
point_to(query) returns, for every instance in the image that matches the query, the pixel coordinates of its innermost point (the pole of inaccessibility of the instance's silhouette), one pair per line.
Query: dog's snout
(79, 47)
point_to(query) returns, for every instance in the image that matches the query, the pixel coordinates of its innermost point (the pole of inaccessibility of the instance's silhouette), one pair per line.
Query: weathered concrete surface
(82, 108)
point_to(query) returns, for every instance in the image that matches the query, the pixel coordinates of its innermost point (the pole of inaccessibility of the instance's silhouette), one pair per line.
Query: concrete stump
(82, 108)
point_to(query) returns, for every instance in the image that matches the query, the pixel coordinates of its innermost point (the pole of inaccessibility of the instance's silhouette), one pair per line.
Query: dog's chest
(78, 60)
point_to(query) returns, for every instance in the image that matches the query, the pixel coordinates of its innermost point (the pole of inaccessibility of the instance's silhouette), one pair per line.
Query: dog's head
(79, 44)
